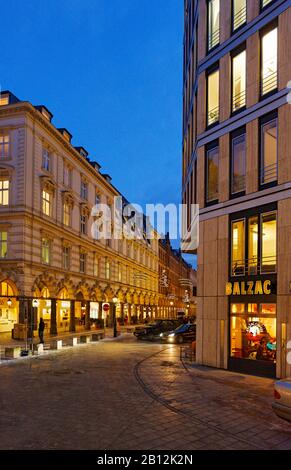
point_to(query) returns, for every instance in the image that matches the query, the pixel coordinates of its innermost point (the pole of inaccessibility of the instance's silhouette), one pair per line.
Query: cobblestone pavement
(126, 394)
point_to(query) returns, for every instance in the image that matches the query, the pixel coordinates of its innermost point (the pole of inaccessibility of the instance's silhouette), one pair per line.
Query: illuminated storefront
(8, 307)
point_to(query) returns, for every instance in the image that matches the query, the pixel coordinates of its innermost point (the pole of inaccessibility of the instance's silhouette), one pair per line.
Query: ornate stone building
(50, 266)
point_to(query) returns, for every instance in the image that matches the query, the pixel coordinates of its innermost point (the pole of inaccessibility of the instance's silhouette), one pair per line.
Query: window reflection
(238, 247)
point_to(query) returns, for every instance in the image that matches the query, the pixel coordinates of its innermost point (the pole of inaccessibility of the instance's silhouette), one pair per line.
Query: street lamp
(9, 302)
(114, 300)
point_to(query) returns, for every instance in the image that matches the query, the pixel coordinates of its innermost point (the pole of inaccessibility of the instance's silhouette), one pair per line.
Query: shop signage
(249, 288)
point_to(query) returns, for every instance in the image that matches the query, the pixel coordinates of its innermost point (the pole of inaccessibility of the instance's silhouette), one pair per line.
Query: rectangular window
(66, 257)
(107, 269)
(3, 244)
(238, 247)
(269, 243)
(238, 164)
(213, 98)
(265, 3)
(45, 250)
(253, 332)
(239, 81)
(4, 192)
(212, 166)
(83, 224)
(213, 23)
(97, 197)
(269, 66)
(253, 237)
(66, 214)
(4, 146)
(119, 272)
(95, 265)
(45, 159)
(82, 263)
(67, 176)
(46, 202)
(84, 190)
(239, 8)
(269, 152)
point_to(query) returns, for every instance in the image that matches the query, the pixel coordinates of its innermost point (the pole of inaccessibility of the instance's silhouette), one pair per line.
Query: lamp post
(114, 300)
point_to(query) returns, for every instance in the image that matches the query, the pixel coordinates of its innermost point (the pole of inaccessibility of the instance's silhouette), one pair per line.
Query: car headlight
(161, 334)
(172, 335)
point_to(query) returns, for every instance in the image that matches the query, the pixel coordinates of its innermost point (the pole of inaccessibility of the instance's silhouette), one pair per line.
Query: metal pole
(114, 321)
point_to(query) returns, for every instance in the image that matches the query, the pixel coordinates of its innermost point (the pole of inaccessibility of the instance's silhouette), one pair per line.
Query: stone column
(87, 317)
(72, 317)
(53, 330)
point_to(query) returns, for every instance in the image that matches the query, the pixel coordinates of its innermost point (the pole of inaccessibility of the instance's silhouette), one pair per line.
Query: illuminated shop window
(253, 332)
(213, 98)
(239, 81)
(238, 247)
(212, 167)
(238, 164)
(239, 13)
(269, 61)
(213, 23)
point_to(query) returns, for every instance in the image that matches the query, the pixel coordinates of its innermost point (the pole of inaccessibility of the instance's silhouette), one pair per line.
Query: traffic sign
(106, 307)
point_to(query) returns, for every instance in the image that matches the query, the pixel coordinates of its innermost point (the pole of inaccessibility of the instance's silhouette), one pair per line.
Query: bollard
(85, 339)
(12, 352)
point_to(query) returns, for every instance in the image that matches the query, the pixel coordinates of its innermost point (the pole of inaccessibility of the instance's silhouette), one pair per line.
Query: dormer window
(46, 159)
(4, 100)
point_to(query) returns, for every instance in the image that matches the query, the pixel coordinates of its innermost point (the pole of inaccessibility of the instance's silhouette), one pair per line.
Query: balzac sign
(249, 288)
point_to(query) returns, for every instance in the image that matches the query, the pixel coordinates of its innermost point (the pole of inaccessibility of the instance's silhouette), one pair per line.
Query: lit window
(46, 202)
(212, 166)
(4, 192)
(213, 23)
(4, 146)
(107, 269)
(119, 272)
(83, 224)
(84, 190)
(66, 214)
(3, 244)
(4, 100)
(213, 98)
(269, 61)
(45, 250)
(238, 248)
(269, 243)
(66, 257)
(266, 2)
(82, 262)
(269, 152)
(6, 290)
(253, 238)
(239, 81)
(239, 13)
(45, 159)
(238, 164)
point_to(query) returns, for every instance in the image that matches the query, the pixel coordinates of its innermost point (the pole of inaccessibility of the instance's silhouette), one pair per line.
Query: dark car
(153, 330)
(183, 333)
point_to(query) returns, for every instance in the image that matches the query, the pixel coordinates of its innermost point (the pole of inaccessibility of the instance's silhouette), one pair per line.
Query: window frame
(267, 118)
(208, 48)
(4, 135)
(4, 191)
(46, 160)
(3, 243)
(66, 256)
(83, 263)
(211, 146)
(242, 48)
(233, 29)
(270, 27)
(48, 246)
(209, 72)
(46, 202)
(233, 136)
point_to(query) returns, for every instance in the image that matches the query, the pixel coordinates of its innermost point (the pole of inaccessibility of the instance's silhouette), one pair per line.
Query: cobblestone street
(127, 395)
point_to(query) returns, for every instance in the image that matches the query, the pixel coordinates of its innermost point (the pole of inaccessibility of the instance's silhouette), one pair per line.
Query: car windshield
(182, 328)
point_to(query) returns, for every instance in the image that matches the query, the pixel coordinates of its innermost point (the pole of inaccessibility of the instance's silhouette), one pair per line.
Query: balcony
(254, 266)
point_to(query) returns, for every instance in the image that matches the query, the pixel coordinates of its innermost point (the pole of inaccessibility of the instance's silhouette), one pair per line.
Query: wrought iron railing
(269, 173)
(254, 266)
(213, 39)
(240, 18)
(239, 100)
(213, 116)
(269, 82)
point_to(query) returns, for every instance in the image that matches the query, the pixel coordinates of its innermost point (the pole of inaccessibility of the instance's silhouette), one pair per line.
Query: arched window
(45, 293)
(6, 289)
(63, 294)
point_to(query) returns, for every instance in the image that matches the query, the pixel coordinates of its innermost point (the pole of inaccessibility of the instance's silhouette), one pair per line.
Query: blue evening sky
(111, 73)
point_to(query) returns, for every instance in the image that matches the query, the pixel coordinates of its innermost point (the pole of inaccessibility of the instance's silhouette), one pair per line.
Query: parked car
(153, 330)
(282, 396)
(184, 333)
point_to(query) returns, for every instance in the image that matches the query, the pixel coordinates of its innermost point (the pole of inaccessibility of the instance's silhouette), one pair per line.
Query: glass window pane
(239, 81)
(238, 248)
(238, 164)
(239, 13)
(212, 174)
(269, 152)
(213, 23)
(269, 61)
(253, 245)
(213, 98)
(269, 243)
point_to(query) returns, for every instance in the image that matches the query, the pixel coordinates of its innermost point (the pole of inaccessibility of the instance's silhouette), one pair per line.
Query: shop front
(9, 307)
(253, 327)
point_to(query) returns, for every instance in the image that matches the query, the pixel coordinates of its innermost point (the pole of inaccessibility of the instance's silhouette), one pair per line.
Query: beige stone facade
(50, 265)
(248, 331)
